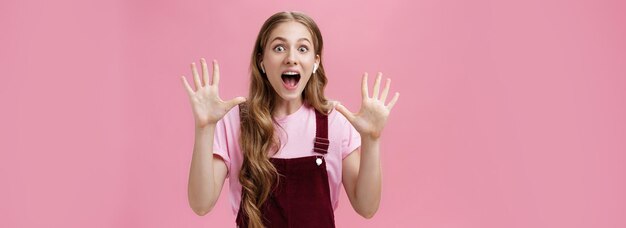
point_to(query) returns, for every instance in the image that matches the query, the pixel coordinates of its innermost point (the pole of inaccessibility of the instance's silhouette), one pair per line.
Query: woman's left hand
(372, 117)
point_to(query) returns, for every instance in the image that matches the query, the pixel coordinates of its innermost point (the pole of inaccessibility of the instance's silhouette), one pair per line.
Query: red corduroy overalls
(302, 196)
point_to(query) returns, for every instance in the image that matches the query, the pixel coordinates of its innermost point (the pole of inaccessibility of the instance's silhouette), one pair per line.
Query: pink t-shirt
(300, 128)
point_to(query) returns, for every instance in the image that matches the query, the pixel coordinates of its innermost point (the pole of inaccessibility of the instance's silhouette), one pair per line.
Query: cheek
(309, 58)
(271, 60)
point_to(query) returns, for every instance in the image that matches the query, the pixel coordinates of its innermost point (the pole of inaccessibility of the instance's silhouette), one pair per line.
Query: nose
(291, 58)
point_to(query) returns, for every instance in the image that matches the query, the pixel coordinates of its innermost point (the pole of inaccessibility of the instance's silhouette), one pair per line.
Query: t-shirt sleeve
(220, 142)
(351, 139)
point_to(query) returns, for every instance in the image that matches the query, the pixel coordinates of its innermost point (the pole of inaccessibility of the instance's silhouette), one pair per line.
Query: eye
(279, 48)
(303, 49)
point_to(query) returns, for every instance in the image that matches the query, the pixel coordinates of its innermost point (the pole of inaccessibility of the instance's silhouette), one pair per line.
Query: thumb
(235, 101)
(343, 110)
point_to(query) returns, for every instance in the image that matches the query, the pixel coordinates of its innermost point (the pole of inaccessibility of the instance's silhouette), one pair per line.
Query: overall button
(318, 161)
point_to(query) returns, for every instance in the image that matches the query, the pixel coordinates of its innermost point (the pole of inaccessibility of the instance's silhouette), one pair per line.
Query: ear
(262, 67)
(259, 57)
(317, 59)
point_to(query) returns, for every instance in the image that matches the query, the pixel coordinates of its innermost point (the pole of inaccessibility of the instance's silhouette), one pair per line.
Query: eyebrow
(285, 40)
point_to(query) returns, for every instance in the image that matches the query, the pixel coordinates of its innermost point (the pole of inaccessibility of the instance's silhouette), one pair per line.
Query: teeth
(291, 73)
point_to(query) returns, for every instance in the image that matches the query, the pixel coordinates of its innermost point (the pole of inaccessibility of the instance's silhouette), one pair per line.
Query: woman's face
(288, 59)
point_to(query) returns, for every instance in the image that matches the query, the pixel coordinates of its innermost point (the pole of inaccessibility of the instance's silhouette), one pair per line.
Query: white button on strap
(318, 161)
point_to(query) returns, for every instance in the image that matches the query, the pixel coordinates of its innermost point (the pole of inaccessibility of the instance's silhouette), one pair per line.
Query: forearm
(201, 185)
(368, 187)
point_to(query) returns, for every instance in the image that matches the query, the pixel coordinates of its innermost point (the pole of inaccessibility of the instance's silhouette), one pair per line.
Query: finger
(216, 73)
(377, 86)
(364, 91)
(187, 86)
(235, 101)
(343, 110)
(196, 78)
(393, 101)
(383, 97)
(205, 72)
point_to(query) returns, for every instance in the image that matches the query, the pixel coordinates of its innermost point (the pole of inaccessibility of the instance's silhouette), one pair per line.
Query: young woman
(285, 148)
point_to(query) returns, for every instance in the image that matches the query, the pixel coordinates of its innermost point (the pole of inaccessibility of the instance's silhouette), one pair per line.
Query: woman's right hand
(208, 107)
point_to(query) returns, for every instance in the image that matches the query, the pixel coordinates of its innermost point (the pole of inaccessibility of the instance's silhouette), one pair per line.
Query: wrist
(205, 128)
(368, 141)
(371, 136)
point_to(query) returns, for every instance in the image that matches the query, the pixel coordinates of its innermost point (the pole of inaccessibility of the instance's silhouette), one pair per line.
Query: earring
(262, 68)
(314, 67)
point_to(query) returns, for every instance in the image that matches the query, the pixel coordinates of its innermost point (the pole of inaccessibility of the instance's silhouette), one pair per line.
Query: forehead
(292, 31)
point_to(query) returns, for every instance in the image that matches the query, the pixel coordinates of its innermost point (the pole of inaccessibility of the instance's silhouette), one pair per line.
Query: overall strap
(321, 133)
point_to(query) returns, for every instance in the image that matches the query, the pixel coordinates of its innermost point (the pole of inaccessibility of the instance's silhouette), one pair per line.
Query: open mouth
(290, 80)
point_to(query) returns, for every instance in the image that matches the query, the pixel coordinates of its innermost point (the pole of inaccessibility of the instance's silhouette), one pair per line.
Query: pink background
(512, 113)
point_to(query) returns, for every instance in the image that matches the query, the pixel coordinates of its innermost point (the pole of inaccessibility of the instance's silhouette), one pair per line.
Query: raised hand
(372, 117)
(208, 107)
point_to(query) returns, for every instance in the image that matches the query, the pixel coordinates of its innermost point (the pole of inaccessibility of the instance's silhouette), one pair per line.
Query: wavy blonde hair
(258, 175)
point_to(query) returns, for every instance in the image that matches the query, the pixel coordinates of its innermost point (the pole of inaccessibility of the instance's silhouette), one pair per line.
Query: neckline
(290, 116)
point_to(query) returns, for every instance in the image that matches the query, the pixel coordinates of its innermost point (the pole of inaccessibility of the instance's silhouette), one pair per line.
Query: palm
(207, 106)
(372, 117)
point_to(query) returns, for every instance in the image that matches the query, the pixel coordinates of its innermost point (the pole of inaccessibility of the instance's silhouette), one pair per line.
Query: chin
(287, 94)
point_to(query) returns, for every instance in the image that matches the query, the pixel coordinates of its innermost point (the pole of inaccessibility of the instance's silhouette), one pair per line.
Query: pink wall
(512, 114)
